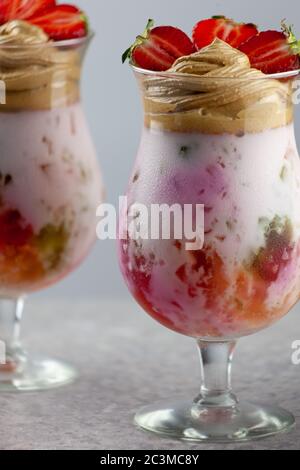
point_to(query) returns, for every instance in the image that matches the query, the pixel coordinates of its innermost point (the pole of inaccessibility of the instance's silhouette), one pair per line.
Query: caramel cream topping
(37, 74)
(215, 90)
(20, 32)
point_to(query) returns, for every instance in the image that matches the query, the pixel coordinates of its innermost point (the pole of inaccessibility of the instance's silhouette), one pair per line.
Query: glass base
(214, 424)
(34, 375)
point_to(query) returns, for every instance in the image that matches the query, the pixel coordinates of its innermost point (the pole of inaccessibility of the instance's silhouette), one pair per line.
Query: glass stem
(216, 362)
(11, 353)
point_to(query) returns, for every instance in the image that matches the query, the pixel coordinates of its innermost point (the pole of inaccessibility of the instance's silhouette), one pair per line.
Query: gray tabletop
(125, 361)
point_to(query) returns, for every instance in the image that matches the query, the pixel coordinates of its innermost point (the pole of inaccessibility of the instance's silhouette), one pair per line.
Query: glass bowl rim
(177, 75)
(65, 43)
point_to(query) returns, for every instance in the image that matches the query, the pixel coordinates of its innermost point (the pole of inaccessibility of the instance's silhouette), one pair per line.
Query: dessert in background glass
(50, 185)
(217, 132)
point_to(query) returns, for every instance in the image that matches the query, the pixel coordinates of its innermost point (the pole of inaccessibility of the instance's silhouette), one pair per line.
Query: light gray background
(113, 108)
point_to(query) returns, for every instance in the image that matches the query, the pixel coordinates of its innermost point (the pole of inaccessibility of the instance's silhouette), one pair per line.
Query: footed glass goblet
(50, 186)
(224, 139)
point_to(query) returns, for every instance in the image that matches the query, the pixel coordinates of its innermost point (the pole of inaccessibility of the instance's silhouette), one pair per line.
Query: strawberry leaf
(85, 18)
(138, 42)
(149, 26)
(291, 37)
(126, 55)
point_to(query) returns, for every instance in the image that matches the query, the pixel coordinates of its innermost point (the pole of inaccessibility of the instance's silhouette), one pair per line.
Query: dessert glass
(222, 136)
(50, 186)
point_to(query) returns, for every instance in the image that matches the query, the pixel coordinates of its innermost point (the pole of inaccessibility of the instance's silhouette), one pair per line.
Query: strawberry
(14, 230)
(4, 10)
(223, 28)
(273, 51)
(68, 8)
(23, 9)
(277, 253)
(62, 22)
(158, 48)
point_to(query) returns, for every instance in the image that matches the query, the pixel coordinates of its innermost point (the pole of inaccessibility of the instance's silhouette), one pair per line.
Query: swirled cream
(20, 32)
(37, 73)
(215, 90)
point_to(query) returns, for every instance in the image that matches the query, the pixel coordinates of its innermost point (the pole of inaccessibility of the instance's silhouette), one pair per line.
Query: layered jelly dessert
(218, 131)
(50, 183)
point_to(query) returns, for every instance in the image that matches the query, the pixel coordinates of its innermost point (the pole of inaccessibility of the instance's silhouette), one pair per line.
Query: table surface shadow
(125, 361)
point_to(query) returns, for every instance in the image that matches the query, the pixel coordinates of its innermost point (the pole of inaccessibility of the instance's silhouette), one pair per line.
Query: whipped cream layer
(215, 90)
(37, 73)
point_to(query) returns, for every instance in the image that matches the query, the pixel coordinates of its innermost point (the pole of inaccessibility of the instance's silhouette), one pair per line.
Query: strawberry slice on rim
(158, 48)
(23, 9)
(273, 51)
(4, 11)
(206, 31)
(62, 22)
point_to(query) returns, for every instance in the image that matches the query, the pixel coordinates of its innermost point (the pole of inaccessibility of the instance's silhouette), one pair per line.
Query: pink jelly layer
(248, 274)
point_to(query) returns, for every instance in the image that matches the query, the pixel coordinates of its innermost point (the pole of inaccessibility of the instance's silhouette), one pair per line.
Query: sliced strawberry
(150, 57)
(14, 230)
(68, 8)
(62, 22)
(276, 254)
(23, 9)
(273, 51)
(4, 10)
(206, 31)
(158, 48)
